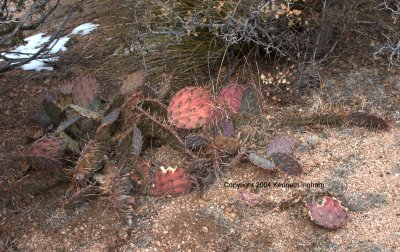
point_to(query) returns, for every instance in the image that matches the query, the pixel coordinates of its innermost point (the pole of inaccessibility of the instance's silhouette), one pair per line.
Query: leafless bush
(277, 28)
(18, 16)
(391, 47)
(207, 34)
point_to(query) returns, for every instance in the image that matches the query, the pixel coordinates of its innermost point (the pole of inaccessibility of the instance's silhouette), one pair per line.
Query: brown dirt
(361, 167)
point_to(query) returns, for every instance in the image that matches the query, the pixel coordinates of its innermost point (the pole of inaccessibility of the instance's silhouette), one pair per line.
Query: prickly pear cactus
(330, 214)
(46, 153)
(363, 119)
(132, 82)
(90, 161)
(83, 112)
(190, 108)
(261, 162)
(287, 163)
(281, 144)
(84, 90)
(81, 196)
(196, 142)
(231, 98)
(171, 182)
(137, 142)
(250, 198)
(36, 183)
(120, 193)
(250, 102)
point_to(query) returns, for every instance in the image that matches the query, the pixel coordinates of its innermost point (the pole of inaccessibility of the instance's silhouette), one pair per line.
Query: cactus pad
(91, 115)
(81, 196)
(48, 96)
(84, 90)
(195, 142)
(330, 214)
(231, 98)
(190, 108)
(46, 152)
(281, 144)
(250, 198)
(363, 119)
(287, 163)
(171, 182)
(137, 141)
(43, 119)
(120, 191)
(132, 82)
(261, 162)
(34, 184)
(250, 102)
(90, 161)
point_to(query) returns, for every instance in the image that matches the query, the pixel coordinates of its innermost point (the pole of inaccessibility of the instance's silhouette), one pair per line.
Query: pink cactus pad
(171, 182)
(330, 214)
(231, 97)
(190, 108)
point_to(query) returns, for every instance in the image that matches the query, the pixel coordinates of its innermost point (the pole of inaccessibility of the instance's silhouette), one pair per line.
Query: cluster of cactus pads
(66, 121)
(103, 149)
(192, 107)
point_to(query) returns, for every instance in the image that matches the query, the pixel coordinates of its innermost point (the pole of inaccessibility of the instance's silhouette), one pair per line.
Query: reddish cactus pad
(48, 146)
(46, 152)
(84, 90)
(231, 97)
(190, 108)
(171, 182)
(330, 214)
(281, 144)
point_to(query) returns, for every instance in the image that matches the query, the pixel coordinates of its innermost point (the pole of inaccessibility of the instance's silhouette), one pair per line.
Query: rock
(204, 229)
(356, 201)
(334, 185)
(396, 170)
(366, 246)
(344, 170)
(345, 131)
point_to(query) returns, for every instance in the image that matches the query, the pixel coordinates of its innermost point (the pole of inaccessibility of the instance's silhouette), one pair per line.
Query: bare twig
(45, 47)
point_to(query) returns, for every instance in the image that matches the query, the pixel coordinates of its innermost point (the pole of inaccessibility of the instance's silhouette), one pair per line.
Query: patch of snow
(36, 65)
(84, 29)
(34, 43)
(59, 46)
(32, 46)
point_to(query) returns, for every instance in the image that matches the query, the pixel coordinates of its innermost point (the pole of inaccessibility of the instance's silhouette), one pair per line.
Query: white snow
(84, 29)
(34, 43)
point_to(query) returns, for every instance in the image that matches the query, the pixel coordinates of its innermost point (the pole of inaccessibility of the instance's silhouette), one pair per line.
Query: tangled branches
(392, 45)
(19, 16)
(202, 36)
